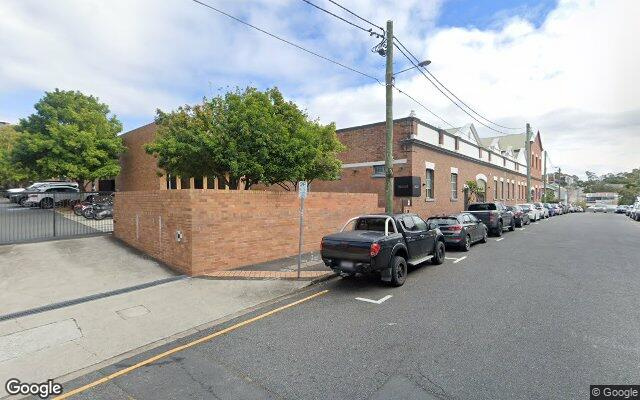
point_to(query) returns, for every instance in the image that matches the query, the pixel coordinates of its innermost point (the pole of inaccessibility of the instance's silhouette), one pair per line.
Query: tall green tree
(10, 173)
(246, 137)
(71, 135)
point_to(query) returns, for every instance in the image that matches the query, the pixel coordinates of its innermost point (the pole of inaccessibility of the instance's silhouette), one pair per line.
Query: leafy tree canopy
(10, 174)
(70, 135)
(246, 137)
(626, 184)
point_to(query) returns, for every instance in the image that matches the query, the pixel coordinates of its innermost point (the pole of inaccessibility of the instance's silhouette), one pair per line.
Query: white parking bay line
(497, 240)
(459, 259)
(382, 300)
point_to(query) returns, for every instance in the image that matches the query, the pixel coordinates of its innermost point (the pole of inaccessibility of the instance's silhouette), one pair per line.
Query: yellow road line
(185, 346)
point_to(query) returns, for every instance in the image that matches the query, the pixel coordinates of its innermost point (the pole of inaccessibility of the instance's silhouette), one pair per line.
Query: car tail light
(375, 249)
(455, 228)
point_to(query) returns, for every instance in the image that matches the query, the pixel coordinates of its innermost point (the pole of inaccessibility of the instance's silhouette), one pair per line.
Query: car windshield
(482, 207)
(525, 207)
(443, 221)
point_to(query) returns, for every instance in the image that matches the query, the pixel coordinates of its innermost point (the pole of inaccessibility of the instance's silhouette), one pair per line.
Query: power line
(287, 41)
(356, 15)
(453, 94)
(421, 105)
(369, 31)
(318, 55)
(446, 95)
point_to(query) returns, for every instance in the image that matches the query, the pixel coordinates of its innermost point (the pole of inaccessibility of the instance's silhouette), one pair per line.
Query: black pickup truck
(495, 216)
(383, 243)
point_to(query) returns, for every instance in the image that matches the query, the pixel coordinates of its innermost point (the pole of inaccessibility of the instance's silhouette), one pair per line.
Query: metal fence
(33, 216)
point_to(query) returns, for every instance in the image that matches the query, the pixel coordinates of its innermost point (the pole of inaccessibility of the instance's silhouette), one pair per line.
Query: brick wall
(228, 229)
(366, 144)
(139, 170)
(149, 220)
(467, 170)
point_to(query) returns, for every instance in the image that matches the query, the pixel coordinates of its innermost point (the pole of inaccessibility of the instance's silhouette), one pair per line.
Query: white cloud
(573, 77)
(578, 66)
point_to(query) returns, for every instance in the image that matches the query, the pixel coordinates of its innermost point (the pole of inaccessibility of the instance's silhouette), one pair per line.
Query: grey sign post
(302, 194)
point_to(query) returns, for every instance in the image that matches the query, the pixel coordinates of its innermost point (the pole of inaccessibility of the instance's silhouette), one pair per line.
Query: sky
(567, 67)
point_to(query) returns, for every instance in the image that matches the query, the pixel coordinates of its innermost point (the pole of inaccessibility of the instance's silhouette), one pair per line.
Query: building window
(185, 183)
(513, 190)
(429, 184)
(482, 190)
(501, 190)
(454, 186)
(171, 182)
(508, 191)
(378, 171)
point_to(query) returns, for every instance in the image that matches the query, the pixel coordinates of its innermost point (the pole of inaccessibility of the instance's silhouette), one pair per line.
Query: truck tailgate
(342, 250)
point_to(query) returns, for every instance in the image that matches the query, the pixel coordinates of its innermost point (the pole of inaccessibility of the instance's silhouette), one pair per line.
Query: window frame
(429, 184)
(453, 185)
(378, 174)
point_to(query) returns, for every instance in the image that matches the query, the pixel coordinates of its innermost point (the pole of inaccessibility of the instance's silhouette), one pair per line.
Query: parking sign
(302, 189)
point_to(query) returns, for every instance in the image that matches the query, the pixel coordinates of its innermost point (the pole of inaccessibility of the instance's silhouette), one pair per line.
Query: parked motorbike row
(95, 207)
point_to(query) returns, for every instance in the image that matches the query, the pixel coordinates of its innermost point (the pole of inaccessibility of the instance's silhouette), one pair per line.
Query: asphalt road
(23, 224)
(542, 314)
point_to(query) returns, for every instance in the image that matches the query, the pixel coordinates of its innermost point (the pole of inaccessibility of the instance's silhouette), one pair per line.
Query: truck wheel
(438, 256)
(484, 237)
(398, 271)
(466, 245)
(499, 229)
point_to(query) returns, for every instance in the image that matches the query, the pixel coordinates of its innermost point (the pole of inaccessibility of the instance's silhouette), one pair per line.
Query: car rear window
(482, 207)
(443, 221)
(369, 224)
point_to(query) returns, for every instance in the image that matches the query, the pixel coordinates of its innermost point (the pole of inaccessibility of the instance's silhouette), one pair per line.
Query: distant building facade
(609, 198)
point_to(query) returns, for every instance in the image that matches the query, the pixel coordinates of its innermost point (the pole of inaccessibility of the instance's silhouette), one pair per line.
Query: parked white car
(544, 213)
(532, 211)
(48, 197)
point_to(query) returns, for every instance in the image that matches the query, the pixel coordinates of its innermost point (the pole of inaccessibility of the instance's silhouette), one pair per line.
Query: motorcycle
(99, 208)
(102, 211)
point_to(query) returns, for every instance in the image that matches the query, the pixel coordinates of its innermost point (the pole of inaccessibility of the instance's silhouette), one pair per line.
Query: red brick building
(444, 160)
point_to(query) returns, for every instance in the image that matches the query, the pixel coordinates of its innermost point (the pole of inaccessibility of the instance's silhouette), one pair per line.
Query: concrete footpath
(69, 306)
(57, 343)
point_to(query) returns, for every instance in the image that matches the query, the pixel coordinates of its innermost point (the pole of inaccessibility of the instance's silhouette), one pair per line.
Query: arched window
(482, 190)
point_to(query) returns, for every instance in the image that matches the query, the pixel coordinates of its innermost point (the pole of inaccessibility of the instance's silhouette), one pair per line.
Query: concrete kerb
(192, 331)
